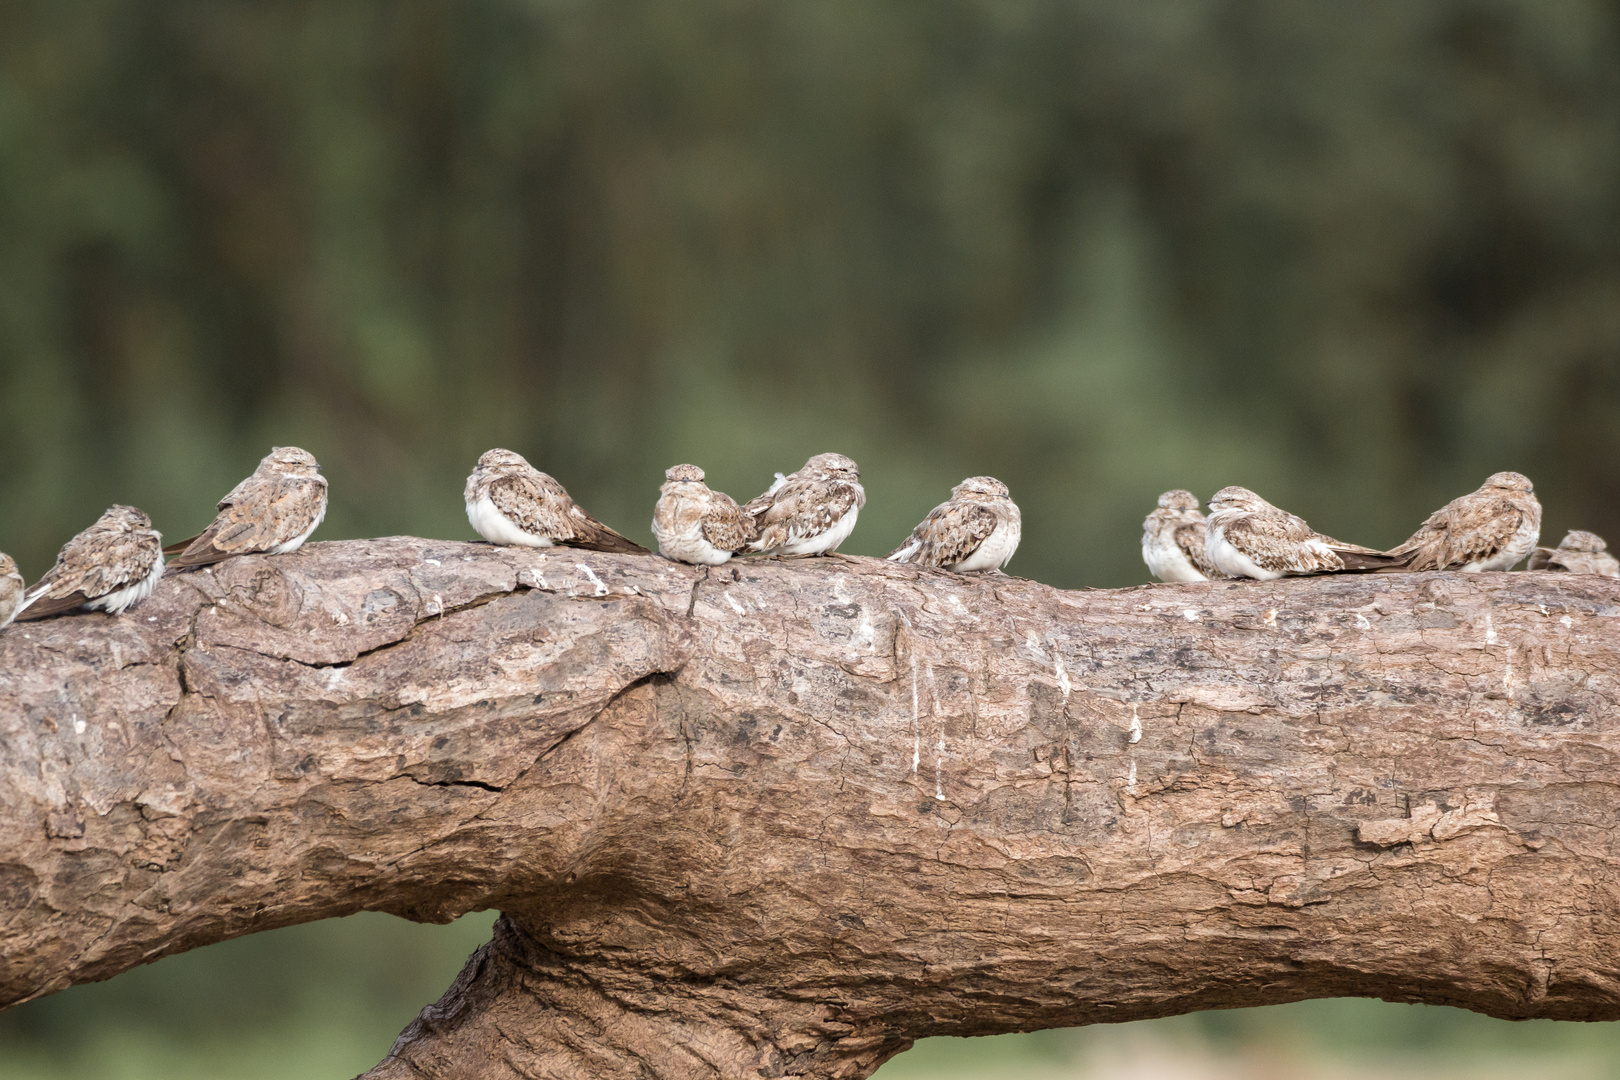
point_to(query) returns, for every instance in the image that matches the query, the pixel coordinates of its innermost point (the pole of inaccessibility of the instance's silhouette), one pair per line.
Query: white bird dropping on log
(273, 512)
(1488, 529)
(511, 502)
(1173, 540)
(809, 512)
(696, 524)
(1579, 553)
(977, 528)
(111, 566)
(1248, 537)
(11, 589)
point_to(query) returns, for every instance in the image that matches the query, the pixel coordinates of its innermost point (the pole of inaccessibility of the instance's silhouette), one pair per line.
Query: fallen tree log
(780, 818)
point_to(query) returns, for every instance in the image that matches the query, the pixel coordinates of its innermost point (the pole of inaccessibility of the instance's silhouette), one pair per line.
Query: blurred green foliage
(1355, 256)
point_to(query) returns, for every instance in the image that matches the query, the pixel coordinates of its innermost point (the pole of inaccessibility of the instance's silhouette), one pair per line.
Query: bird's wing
(911, 547)
(589, 533)
(1280, 543)
(1417, 547)
(725, 525)
(1476, 528)
(533, 505)
(180, 553)
(762, 502)
(11, 593)
(260, 513)
(180, 545)
(1544, 559)
(1343, 548)
(1578, 562)
(1355, 557)
(1467, 529)
(950, 533)
(1189, 537)
(91, 566)
(43, 607)
(802, 508)
(244, 491)
(538, 504)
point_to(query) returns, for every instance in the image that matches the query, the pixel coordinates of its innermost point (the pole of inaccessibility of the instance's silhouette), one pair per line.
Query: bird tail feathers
(603, 538)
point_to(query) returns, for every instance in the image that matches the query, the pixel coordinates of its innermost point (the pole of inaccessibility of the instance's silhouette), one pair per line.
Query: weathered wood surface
(780, 818)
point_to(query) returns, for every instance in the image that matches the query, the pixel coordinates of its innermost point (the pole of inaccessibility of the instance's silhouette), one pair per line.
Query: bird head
(1579, 540)
(502, 461)
(290, 461)
(1178, 500)
(124, 518)
(1510, 481)
(684, 474)
(8, 565)
(833, 467)
(983, 487)
(1236, 498)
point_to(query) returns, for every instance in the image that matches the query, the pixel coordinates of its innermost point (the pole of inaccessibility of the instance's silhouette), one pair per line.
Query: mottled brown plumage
(977, 528)
(1579, 553)
(11, 589)
(111, 566)
(511, 502)
(1250, 538)
(696, 524)
(1488, 529)
(1173, 540)
(811, 511)
(272, 511)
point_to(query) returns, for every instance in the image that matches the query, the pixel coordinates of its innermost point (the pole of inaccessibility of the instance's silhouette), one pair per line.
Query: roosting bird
(1173, 540)
(1248, 537)
(11, 589)
(1488, 529)
(809, 512)
(696, 524)
(1579, 553)
(977, 528)
(511, 502)
(273, 511)
(111, 566)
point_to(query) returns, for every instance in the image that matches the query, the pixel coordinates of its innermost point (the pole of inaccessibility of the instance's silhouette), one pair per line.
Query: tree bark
(780, 818)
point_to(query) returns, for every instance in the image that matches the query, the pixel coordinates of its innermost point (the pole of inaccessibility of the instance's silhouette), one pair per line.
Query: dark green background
(1353, 255)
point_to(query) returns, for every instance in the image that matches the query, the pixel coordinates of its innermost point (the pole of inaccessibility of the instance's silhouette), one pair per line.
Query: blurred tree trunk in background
(781, 818)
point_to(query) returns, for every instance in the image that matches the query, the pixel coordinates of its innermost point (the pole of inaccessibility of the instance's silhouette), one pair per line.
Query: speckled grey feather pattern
(11, 589)
(1580, 552)
(283, 500)
(958, 527)
(696, 524)
(537, 504)
(1245, 527)
(120, 551)
(807, 503)
(1177, 525)
(1496, 525)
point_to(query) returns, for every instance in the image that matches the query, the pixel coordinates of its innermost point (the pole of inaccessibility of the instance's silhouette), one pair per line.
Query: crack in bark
(496, 788)
(420, 621)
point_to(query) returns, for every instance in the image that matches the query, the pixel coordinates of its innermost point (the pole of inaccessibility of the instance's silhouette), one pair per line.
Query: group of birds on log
(1244, 536)
(808, 512)
(117, 562)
